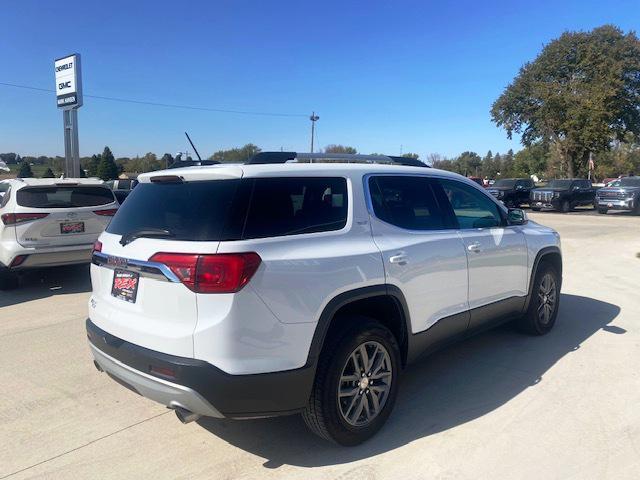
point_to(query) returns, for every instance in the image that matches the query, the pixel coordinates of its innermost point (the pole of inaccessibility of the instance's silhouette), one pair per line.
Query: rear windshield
(235, 209)
(194, 211)
(64, 197)
(506, 183)
(560, 184)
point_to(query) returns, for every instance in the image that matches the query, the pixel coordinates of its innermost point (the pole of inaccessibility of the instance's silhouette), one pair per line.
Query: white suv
(50, 222)
(280, 287)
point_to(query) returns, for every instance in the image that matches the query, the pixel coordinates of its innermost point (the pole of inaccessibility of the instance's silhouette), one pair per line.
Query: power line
(166, 105)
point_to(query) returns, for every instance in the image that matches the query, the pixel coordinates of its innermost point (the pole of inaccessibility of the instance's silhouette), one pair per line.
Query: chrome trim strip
(155, 270)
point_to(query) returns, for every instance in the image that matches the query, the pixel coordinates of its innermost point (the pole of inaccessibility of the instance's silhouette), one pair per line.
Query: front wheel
(356, 383)
(602, 211)
(565, 206)
(541, 314)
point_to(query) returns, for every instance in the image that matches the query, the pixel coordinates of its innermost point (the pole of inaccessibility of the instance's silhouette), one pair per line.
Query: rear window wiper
(146, 233)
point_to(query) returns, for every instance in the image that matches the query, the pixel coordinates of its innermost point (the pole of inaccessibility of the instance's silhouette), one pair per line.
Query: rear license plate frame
(70, 228)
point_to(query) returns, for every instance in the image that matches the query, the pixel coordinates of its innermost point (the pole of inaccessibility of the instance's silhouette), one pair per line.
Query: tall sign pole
(68, 75)
(314, 118)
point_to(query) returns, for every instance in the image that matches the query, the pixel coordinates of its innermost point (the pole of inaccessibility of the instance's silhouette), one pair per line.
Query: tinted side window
(406, 202)
(472, 209)
(295, 205)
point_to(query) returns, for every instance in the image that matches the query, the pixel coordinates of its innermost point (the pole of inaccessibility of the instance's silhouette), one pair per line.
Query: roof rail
(284, 157)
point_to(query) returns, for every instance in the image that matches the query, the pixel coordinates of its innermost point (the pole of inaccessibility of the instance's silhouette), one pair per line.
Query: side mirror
(575, 187)
(516, 216)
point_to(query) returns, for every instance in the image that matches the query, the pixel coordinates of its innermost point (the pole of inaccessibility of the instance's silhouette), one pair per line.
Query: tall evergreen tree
(25, 170)
(107, 168)
(48, 173)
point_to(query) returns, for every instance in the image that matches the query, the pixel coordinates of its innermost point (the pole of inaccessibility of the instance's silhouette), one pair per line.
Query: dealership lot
(500, 405)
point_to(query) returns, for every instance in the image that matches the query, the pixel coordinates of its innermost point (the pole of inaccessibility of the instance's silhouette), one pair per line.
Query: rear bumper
(37, 258)
(196, 385)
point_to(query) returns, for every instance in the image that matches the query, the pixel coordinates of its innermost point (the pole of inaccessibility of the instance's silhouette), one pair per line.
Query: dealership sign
(68, 81)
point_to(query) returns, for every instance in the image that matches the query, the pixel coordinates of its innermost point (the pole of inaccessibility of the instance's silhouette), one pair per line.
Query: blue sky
(380, 74)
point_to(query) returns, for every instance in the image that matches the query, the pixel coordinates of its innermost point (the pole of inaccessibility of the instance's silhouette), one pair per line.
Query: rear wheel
(543, 305)
(356, 383)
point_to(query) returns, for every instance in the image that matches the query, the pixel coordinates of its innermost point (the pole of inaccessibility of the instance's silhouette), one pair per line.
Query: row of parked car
(566, 194)
(50, 222)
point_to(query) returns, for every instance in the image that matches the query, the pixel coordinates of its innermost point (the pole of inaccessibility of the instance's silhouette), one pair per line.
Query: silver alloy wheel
(365, 383)
(547, 298)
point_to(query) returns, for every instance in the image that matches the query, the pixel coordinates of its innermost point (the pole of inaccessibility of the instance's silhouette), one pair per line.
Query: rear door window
(406, 202)
(295, 205)
(64, 196)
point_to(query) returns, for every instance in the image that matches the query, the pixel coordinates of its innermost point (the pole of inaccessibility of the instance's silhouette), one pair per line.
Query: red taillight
(109, 212)
(19, 260)
(14, 218)
(219, 273)
(97, 246)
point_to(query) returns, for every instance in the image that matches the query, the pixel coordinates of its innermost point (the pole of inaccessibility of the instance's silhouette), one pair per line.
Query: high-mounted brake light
(15, 218)
(109, 212)
(218, 273)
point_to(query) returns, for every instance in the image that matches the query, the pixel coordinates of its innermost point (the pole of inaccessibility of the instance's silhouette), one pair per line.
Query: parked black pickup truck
(563, 195)
(513, 192)
(622, 194)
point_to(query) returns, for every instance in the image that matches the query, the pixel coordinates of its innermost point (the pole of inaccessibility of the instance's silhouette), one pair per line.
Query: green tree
(25, 170)
(49, 173)
(415, 156)
(582, 91)
(339, 149)
(469, 163)
(107, 168)
(234, 155)
(167, 160)
(531, 160)
(92, 165)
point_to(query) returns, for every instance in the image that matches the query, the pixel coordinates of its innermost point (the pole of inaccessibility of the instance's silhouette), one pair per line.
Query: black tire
(323, 414)
(636, 210)
(531, 322)
(8, 280)
(536, 209)
(565, 206)
(602, 211)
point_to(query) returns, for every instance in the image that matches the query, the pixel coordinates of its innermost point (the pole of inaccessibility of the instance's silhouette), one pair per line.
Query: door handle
(474, 247)
(398, 259)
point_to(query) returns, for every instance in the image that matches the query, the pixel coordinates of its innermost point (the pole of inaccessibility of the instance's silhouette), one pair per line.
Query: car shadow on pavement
(47, 282)
(452, 387)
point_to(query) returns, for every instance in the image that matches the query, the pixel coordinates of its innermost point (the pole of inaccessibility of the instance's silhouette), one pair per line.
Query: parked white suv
(50, 222)
(279, 287)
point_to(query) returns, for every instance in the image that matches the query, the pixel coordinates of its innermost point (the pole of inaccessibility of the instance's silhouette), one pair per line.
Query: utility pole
(314, 118)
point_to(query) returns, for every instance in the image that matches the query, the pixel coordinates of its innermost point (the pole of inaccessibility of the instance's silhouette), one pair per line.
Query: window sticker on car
(125, 285)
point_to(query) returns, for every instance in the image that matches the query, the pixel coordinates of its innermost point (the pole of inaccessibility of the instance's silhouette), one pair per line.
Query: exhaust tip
(185, 416)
